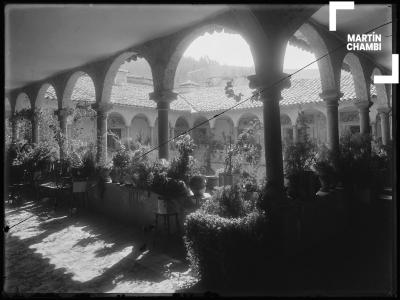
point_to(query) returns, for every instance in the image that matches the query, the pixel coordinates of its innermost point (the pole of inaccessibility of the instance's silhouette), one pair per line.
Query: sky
(232, 49)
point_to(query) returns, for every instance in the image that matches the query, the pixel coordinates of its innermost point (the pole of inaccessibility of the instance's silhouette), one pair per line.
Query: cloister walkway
(53, 253)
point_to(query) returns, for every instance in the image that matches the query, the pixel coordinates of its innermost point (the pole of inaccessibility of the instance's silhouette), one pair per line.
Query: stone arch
(201, 132)
(325, 65)
(46, 92)
(242, 23)
(381, 92)
(316, 122)
(224, 129)
(111, 74)
(140, 128)
(244, 120)
(68, 93)
(181, 125)
(116, 127)
(22, 102)
(349, 119)
(357, 72)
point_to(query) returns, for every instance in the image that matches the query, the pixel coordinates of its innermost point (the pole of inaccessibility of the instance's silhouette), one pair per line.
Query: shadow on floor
(30, 272)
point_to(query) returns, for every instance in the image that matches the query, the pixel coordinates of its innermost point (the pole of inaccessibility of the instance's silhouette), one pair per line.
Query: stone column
(295, 134)
(62, 117)
(270, 94)
(235, 133)
(127, 133)
(163, 100)
(373, 128)
(35, 126)
(331, 98)
(384, 115)
(363, 109)
(102, 110)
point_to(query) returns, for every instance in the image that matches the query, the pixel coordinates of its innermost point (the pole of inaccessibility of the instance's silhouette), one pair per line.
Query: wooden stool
(166, 217)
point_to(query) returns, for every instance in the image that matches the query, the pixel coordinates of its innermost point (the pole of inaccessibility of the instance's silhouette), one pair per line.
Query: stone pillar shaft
(273, 142)
(163, 150)
(363, 109)
(384, 115)
(331, 99)
(270, 94)
(163, 99)
(102, 112)
(373, 128)
(295, 134)
(235, 133)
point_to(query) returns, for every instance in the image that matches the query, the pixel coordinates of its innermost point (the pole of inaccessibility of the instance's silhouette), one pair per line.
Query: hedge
(224, 251)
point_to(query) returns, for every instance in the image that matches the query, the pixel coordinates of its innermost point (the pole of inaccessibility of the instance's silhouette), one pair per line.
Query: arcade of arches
(155, 124)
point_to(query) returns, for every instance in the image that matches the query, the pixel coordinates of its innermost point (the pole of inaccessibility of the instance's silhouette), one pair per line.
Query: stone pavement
(50, 252)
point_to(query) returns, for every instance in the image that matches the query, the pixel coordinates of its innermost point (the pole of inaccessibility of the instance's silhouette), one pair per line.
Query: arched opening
(181, 125)
(139, 130)
(315, 123)
(304, 47)
(223, 130)
(49, 126)
(132, 81)
(82, 125)
(23, 121)
(201, 133)
(352, 79)
(349, 120)
(245, 121)
(116, 131)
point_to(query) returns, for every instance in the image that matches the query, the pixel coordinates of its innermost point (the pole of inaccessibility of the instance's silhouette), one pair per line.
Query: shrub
(224, 251)
(224, 238)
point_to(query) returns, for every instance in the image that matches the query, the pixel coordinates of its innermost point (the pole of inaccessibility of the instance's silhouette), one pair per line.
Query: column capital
(103, 107)
(331, 97)
(363, 104)
(271, 83)
(166, 96)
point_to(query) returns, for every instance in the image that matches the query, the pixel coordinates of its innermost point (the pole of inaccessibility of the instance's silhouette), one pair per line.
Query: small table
(166, 217)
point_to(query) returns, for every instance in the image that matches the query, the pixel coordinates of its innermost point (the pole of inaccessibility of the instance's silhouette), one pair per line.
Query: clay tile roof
(211, 98)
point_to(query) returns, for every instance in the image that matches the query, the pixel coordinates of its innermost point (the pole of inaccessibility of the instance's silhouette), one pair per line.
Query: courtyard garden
(229, 224)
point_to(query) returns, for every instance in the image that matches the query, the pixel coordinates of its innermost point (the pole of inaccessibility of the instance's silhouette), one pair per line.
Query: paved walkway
(50, 252)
